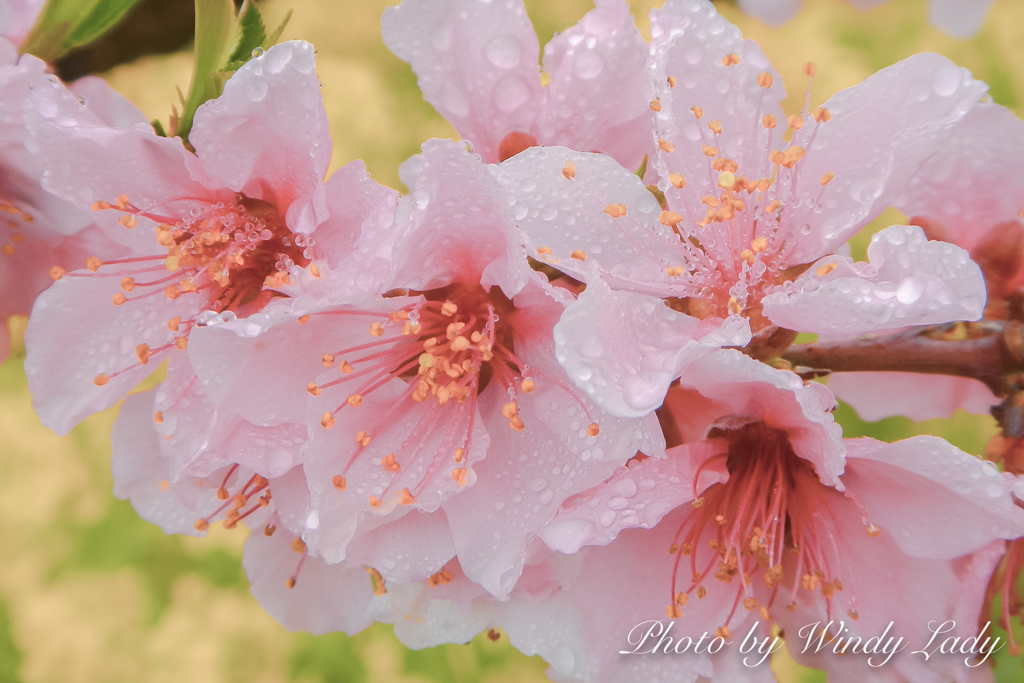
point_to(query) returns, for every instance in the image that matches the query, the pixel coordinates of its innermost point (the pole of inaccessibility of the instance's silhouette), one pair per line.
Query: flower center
(15, 220)
(771, 504)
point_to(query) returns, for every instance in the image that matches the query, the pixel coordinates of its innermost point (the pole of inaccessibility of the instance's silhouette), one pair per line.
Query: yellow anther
(345, 367)
(579, 255)
(821, 114)
(517, 424)
(759, 245)
(593, 429)
(181, 343)
(769, 121)
(119, 299)
(715, 126)
(677, 181)
(339, 482)
(303, 319)
(127, 284)
(327, 360)
(545, 79)
(793, 155)
(723, 164)
(670, 218)
(56, 272)
(377, 330)
(313, 270)
(528, 385)
(674, 271)
(355, 400)
(201, 525)
(374, 501)
(673, 611)
(426, 360)
(93, 264)
(827, 178)
(142, 352)
(510, 410)
(709, 151)
(127, 221)
(448, 308)
(764, 79)
(750, 604)
(730, 59)
(362, 438)
(810, 69)
(666, 146)
(697, 111)
(172, 292)
(172, 263)
(98, 206)
(388, 463)
(158, 417)
(747, 256)
(327, 421)
(122, 201)
(874, 531)
(405, 497)
(796, 122)
(826, 269)
(734, 306)
(543, 250)
(615, 210)
(671, 81)
(726, 180)
(459, 344)
(773, 206)
(100, 379)
(569, 170)
(656, 104)
(459, 475)
(460, 453)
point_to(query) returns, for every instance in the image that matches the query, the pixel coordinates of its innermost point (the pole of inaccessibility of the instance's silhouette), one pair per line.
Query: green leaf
(64, 25)
(639, 173)
(215, 32)
(251, 34)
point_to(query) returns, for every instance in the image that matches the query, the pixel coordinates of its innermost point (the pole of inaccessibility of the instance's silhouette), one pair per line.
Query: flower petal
(62, 371)
(975, 181)
(771, 12)
(595, 100)
(624, 349)
(959, 18)
(910, 281)
(267, 135)
(920, 99)
(475, 63)
(325, 598)
(409, 549)
(878, 395)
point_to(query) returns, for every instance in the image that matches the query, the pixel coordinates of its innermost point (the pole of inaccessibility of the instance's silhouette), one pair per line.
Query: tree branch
(989, 358)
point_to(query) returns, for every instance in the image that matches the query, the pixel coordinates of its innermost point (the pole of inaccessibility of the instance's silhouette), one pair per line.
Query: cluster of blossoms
(540, 391)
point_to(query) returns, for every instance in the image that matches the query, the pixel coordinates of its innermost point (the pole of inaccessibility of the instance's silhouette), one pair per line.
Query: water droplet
(588, 64)
(503, 52)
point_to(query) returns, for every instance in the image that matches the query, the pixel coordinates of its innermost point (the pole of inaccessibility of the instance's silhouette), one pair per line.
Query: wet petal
(878, 395)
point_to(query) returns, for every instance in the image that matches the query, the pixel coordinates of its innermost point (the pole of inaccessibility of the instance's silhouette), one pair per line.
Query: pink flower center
(772, 505)
(233, 252)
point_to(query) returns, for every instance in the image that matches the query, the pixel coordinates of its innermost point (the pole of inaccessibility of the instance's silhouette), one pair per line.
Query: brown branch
(989, 358)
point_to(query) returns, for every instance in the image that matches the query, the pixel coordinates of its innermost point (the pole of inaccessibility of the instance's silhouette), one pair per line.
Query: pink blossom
(752, 223)
(971, 194)
(825, 528)
(17, 18)
(41, 235)
(958, 18)
(435, 391)
(475, 66)
(221, 230)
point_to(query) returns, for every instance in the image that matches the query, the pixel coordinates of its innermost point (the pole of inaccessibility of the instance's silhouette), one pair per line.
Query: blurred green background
(90, 593)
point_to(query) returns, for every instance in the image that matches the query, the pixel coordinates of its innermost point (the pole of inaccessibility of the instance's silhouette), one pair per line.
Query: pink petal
(878, 395)
(460, 228)
(874, 156)
(959, 18)
(362, 215)
(565, 215)
(475, 63)
(17, 18)
(910, 281)
(624, 349)
(61, 370)
(779, 399)
(976, 180)
(935, 500)
(771, 12)
(635, 496)
(528, 474)
(110, 106)
(267, 134)
(325, 598)
(411, 548)
(595, 101)
(88, 161)
(141, 474)
(690, 41)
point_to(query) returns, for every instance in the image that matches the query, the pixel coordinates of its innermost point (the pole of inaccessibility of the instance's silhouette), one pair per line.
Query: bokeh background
(90, 593)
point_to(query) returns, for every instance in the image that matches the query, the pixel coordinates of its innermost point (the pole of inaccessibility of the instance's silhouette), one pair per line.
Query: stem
(988, 358)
